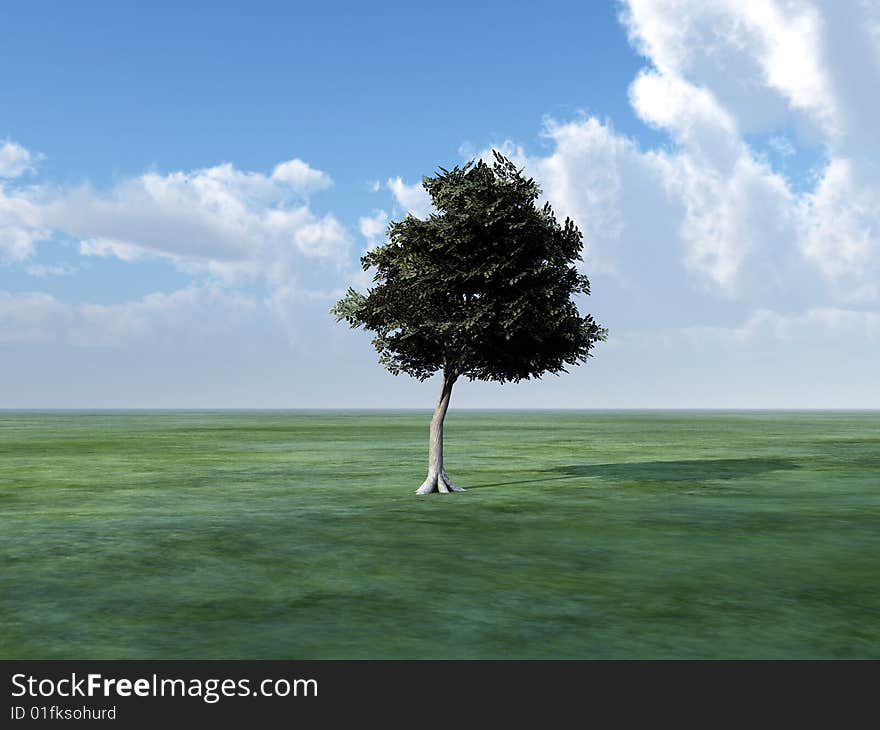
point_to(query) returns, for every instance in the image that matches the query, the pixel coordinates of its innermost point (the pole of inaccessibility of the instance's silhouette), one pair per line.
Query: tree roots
(439, 483)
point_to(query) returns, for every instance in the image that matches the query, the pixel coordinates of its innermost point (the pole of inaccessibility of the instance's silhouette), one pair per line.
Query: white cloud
(218, 214)
(107, 247)
(686, 237)
(300, 176)
(819, 324)
(41, 270)
(218, 223)
(223, 221)
(40, 318)
(675, 216)
(690, 113)
(760, 58)
(413, 198)
(373, 227)
(763, 65)
(21, 225)
(15, 160)
(736, 218)
(30, 318)
(709, 214)
(840, 224)
(780, 144)
(583, 178)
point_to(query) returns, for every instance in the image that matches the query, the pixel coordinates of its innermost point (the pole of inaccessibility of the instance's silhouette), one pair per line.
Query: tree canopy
(482, 288)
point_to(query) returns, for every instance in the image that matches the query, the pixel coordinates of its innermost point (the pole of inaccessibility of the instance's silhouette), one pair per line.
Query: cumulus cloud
(840, 225)
(585, 177)
(107, 247)
(786, 336)
(21, 225)
(40, 318)
(31, 317)
(707, 218)
(687, 239)
(724, 69)
(820, 322)
(702, 236)
(223, 221)
(15, 160)
(218, 214)
(300, 176)
(413, 198)
(219, 224)
(711, 203)
(373, 227)
(761, 59)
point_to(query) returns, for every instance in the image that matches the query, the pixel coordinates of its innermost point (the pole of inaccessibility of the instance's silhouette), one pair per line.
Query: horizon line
(209, 409)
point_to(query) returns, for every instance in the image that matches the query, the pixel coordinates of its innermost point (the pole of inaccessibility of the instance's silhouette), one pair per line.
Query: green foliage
(483, 288)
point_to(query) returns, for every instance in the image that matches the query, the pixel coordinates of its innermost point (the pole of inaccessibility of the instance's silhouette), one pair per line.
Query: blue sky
(185, 188)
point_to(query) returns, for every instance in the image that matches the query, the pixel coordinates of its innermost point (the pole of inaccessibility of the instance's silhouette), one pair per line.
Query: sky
(186, 188)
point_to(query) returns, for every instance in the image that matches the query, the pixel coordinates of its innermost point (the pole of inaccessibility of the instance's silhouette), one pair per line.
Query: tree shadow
(689, 470)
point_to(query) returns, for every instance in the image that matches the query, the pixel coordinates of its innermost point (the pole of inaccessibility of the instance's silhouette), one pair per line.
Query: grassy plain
(296, 535)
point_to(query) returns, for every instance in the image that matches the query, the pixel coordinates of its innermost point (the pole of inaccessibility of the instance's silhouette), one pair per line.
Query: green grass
(296, 535)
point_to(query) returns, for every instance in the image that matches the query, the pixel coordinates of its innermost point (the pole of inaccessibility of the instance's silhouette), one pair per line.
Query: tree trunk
(438, 480)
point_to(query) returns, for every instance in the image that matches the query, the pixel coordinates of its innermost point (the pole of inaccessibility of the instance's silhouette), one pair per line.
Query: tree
(481, 289)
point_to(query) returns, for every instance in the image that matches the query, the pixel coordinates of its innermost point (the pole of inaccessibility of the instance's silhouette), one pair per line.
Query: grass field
(296, 535)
